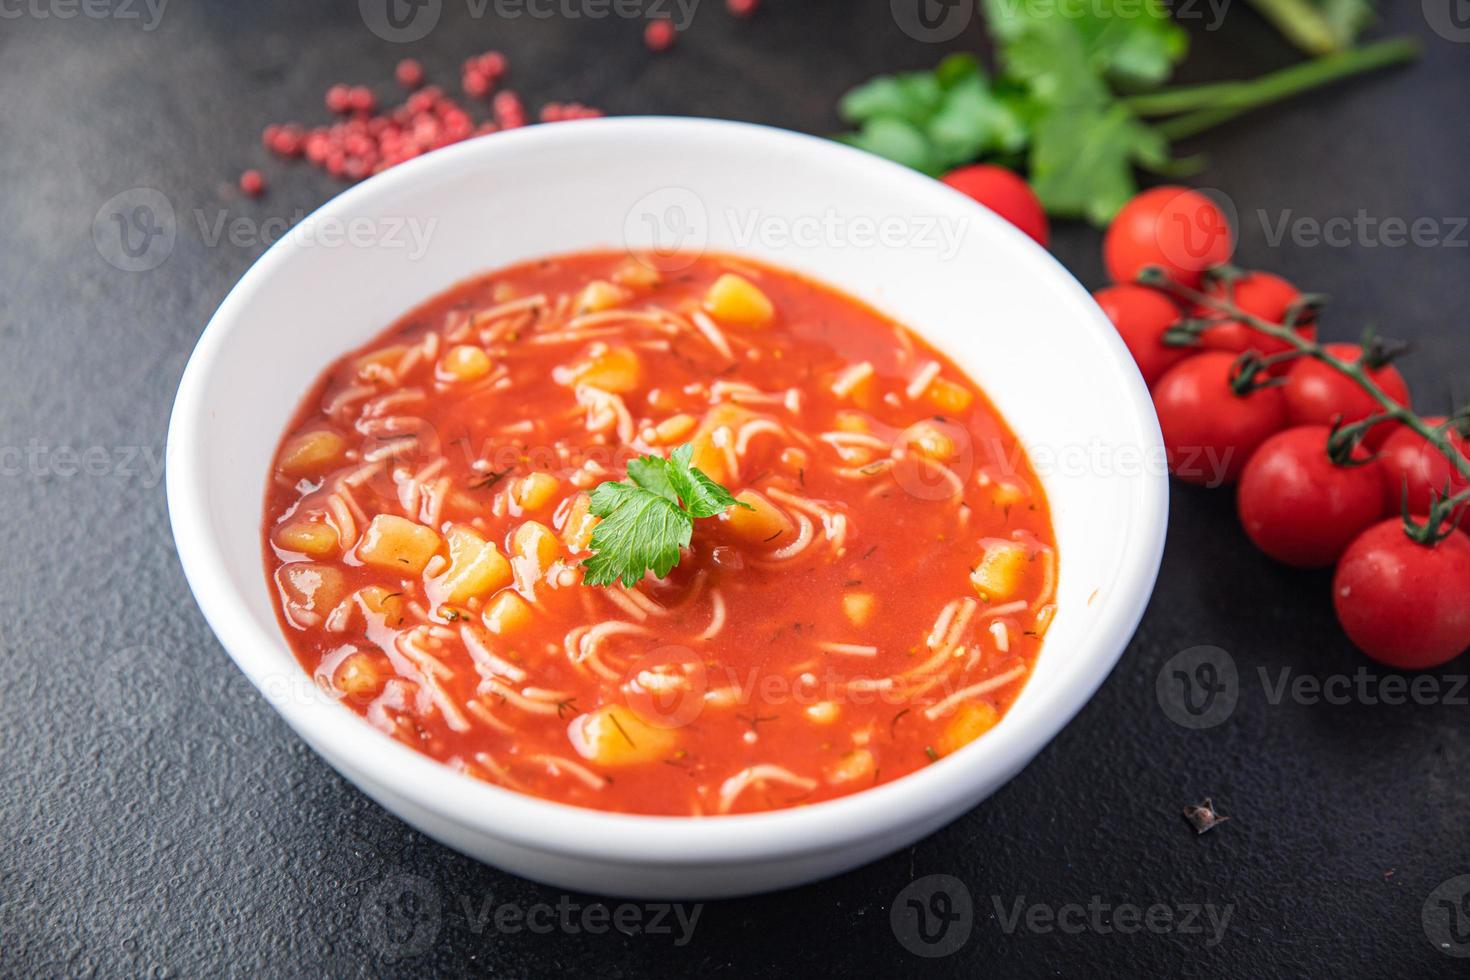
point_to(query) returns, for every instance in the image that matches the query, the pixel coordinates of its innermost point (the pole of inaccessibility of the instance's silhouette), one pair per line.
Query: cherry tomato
(1141, 316)
(1177, 229)
(1209, 430)
(1409, 461)
(1003, 192)
(1301, 508)
(1260, 294)
(1401, 602)
(1320, 395)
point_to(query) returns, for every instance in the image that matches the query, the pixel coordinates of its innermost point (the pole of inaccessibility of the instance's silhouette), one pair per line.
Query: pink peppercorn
(339, 98)
(361, 99)
(476, 83)
(742, 8)
(410, 73)
(252, 183)
(509, 112)
(659, 35)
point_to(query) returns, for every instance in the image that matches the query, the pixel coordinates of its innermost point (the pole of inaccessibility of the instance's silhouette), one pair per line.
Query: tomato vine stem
(1434, 435)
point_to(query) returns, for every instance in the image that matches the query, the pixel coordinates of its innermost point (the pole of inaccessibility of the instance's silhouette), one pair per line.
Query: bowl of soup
(666, 508)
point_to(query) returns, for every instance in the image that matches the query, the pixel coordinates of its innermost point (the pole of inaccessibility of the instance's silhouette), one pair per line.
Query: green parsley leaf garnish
(649, 516)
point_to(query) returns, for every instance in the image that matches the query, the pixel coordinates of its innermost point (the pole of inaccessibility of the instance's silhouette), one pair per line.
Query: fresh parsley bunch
(1068, 104)
(649, 517)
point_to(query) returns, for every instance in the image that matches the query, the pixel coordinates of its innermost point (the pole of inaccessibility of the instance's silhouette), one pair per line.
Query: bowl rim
(366, 755)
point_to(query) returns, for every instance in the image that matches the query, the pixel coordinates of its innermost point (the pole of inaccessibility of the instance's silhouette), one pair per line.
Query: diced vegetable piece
(534, 541)
(930, 440)
(853, 422)
(970, 721)
(373, 364)
(312, 453)
(536, 490)
(576, 533)
(949, 397)
(614, 369)
(736, 300)
(998, 573)
(600, 295)
(717, 429)
(464, 363)
(823, 712)
(379, 602)
(311, 538)
(396, 544)
(764, 524)
(476, 568)
(507, 613)
(309, 590)
(674, 428)
(637, 273)
(858, 606)
(614, 735)
(857, 766)
(359, 677)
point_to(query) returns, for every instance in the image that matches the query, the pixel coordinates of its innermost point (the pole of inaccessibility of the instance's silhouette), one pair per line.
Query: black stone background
(157, 819)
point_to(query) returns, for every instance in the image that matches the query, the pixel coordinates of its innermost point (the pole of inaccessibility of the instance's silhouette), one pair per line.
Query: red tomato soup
(879, 606)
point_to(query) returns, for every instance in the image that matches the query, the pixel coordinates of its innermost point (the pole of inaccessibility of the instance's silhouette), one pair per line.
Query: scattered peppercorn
(659, 35)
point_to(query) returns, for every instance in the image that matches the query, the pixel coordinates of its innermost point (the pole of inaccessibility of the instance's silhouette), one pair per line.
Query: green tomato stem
(1209, 105)
(1392, 410)
(1303, 24)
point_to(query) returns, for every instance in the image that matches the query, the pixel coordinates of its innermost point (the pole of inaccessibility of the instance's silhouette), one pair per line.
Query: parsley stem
(1209, 105)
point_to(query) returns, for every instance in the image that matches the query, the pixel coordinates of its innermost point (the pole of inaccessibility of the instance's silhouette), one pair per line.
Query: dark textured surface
(158, 819)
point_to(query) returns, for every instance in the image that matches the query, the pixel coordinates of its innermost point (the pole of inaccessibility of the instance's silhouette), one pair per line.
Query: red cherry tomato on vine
(1300, 507)
(1401, 602)
(1320, 395)
(1409, 461)
(1209, 430)
(1262, 295)
(1177, 229)
(1005, 193)
(1141, 316)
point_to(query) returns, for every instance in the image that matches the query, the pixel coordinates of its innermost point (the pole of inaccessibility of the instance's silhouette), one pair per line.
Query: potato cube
(998, 573)
(535, 491)
(763, 524)
(309, 591)
(535, 542)
(476, 568)
(736, 300)
(382, 605)
(311, 538)
(576, 533)
(858, 607)
(949, 397)
(970, 721)
(823, 712)
(396, 544)
(507, 613)
(614, 369)
(359, 677)
(674, 428)
(614, 735)
(857, 766)
(599, 295)
(464, 363)
(312, 453)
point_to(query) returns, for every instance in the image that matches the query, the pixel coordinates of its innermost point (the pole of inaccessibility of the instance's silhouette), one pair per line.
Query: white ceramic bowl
(1007, 313)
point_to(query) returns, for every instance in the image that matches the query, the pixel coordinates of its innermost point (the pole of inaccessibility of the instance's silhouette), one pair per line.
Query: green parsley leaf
(649, 517)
